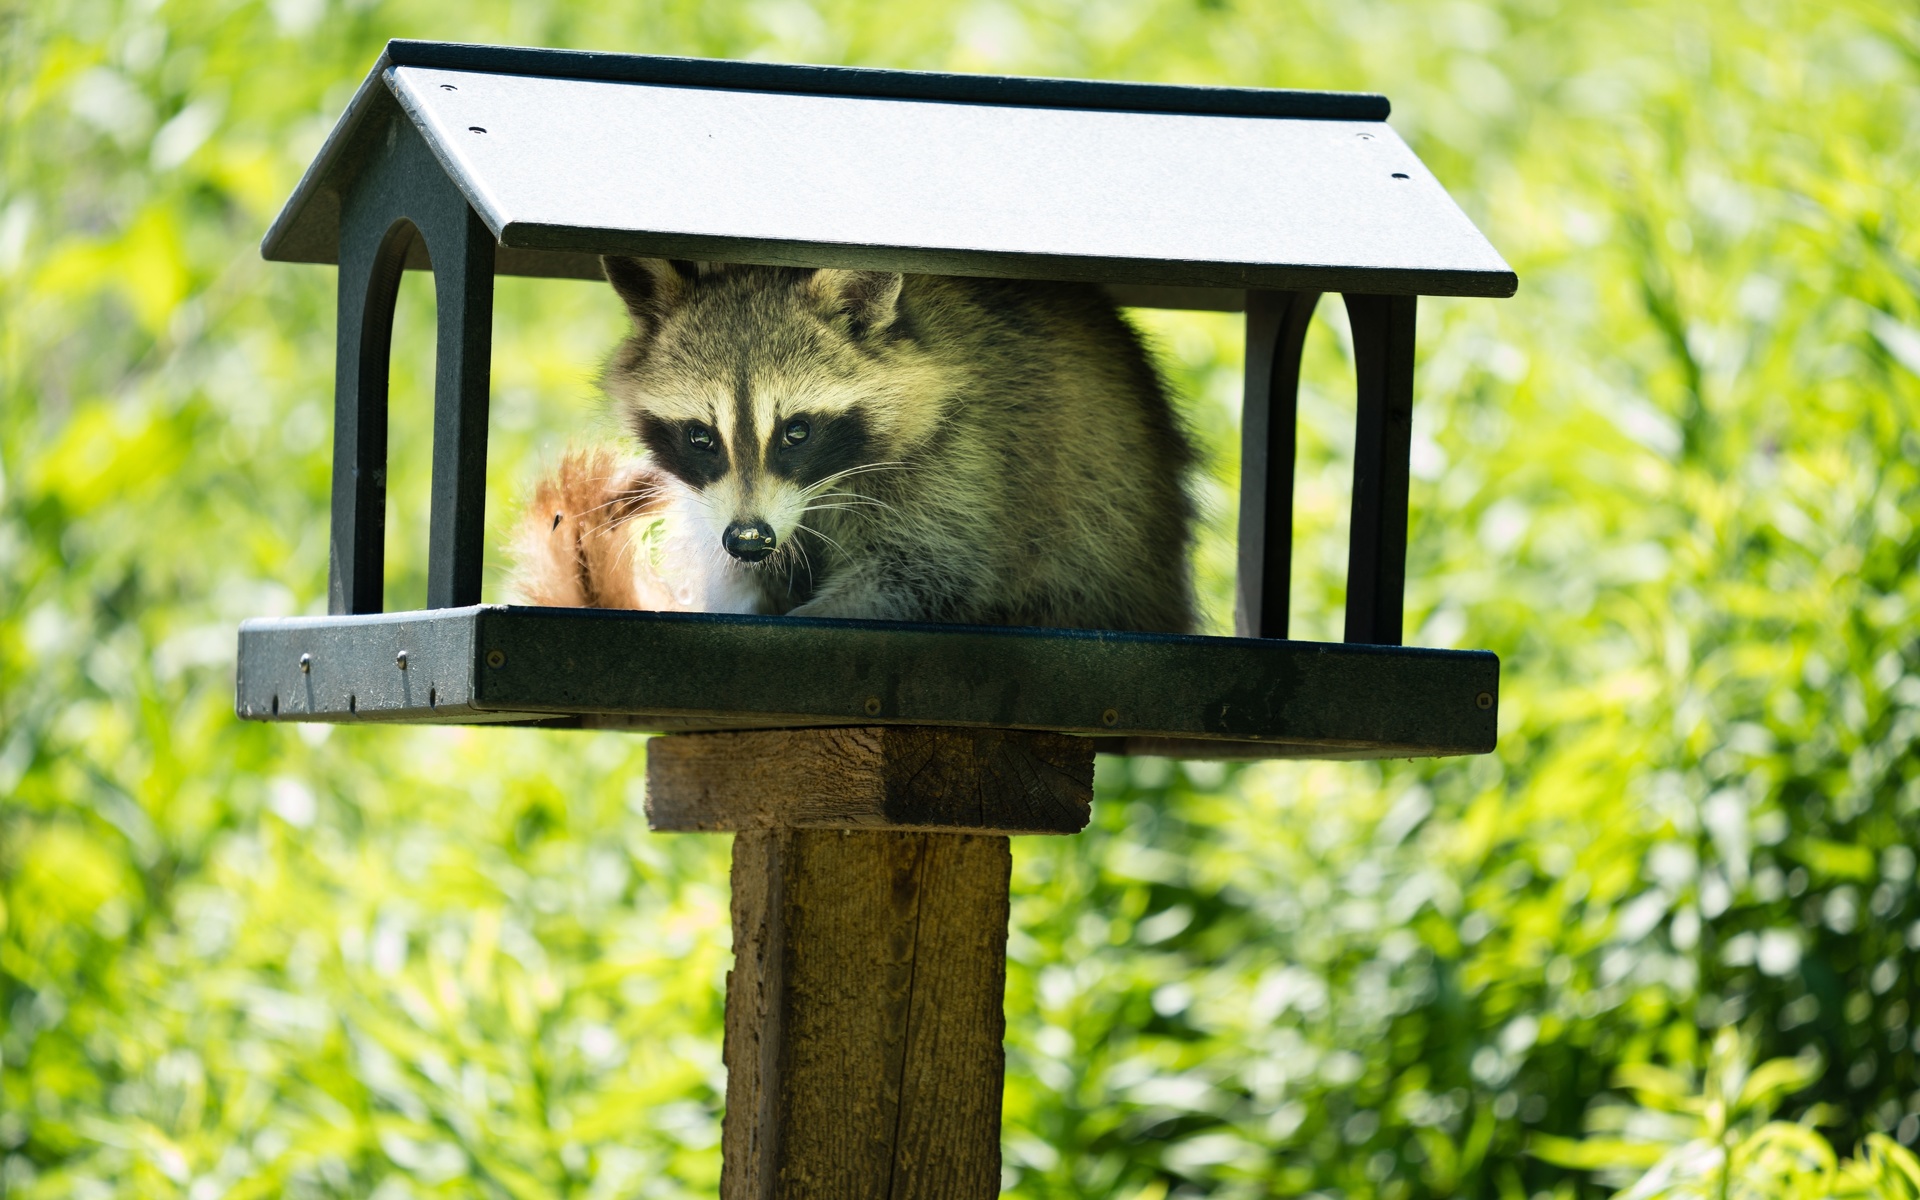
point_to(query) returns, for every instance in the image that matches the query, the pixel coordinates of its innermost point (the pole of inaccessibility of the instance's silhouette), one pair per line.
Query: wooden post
(864, 1010)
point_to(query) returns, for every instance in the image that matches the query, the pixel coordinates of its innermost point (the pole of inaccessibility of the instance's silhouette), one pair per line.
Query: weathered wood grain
(878, 777)
(864, 1016)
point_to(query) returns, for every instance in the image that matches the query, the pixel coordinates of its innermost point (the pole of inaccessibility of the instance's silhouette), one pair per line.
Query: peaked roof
(566, 155)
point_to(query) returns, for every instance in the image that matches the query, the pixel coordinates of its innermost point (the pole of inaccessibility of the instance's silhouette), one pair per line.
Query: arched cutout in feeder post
(872, 771)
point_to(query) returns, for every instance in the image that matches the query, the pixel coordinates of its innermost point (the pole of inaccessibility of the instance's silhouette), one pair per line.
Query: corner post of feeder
(463, 260)
(1276, 335)
(373, 252)
(1383, 328)
(399, 201)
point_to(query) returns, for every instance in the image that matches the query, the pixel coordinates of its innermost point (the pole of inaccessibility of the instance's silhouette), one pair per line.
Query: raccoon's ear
(650, 286)
(868, 300)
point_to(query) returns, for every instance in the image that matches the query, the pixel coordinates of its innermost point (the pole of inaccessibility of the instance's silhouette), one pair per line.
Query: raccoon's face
(767, 391)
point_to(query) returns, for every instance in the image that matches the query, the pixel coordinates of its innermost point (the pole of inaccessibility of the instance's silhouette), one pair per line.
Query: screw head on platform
(400, 660)
(1484, 700)
(873, 706)
(496, 658)
(1110, 718)
(306, 663)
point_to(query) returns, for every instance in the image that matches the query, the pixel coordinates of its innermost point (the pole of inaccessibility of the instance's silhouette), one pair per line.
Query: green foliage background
(1674, 483)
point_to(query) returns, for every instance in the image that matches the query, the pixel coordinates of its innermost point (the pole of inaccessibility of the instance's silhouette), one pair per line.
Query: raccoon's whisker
(796, 555)
(862, 510)
(823, 537)
(587, 512)
(607, 527)
(850, 472)
(853, 496)
(846, 499)
(613, 519)
(850, 502)
(863, 469)
(625, 506)
(879, 465)
(786, 552)
(636, 495)
(861, 504)
(617, 519)
(600, 527)
(841, 474)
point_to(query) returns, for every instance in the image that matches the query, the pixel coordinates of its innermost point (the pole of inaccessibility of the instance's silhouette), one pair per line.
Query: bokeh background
(1674, 483)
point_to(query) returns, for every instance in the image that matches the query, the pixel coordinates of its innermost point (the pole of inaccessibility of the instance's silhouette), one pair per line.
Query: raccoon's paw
(816, 608)
(575, 547)
(849, 604)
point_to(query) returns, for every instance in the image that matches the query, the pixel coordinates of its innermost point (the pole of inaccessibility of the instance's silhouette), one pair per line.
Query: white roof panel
(1037, 190)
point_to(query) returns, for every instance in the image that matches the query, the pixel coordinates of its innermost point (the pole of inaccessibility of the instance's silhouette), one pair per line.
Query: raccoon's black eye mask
(689, 450)
(806, 449)
(809, 449)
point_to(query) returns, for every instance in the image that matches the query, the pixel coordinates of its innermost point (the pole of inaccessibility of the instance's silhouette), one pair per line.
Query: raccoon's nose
(748, 541)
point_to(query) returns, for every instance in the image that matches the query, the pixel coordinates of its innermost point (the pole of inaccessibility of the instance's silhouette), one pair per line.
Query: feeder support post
(864, 1009)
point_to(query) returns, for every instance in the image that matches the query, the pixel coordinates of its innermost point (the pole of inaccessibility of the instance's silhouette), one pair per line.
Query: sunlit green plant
(1674, 483)
(1712, 1135)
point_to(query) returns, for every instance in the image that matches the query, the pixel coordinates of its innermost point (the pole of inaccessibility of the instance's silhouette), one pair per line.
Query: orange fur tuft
(575, 548)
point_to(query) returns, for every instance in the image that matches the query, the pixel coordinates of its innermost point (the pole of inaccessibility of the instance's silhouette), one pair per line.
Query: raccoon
(864, 444)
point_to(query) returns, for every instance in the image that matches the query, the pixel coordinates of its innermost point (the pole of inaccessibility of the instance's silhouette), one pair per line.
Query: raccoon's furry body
(864, 444)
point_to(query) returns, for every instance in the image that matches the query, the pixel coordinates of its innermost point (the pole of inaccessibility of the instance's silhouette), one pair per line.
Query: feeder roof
(567, 154)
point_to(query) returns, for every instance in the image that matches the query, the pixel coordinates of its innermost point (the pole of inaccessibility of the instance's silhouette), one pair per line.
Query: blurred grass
(1673, 483)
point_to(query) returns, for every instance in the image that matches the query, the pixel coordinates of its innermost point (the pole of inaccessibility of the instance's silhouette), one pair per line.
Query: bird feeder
(475, 161)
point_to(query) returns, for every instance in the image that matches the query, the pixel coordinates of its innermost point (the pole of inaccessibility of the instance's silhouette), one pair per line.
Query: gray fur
(1010, 456)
